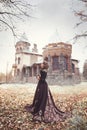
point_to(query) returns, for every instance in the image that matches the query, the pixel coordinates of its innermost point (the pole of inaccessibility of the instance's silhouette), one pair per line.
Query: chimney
(34, 49)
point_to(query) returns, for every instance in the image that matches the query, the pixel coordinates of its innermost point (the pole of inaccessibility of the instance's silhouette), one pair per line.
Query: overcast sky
(54, 21)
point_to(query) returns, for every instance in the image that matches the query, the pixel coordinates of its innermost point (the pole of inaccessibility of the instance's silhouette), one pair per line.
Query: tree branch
(84, 1)
(80, 36)
(8, 27)
(12, 11)
(23, 12)
(8, 13)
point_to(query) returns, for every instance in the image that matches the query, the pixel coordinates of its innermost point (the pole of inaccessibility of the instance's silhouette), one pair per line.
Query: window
(18, 72)
(55, 64)
(19, 60)
(20, 48)
(63, 62)
(17, 49)
(73, 68)
(24, 71)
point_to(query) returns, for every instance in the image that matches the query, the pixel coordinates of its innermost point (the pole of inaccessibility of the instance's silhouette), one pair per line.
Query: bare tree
(12, 12)
(82, 14)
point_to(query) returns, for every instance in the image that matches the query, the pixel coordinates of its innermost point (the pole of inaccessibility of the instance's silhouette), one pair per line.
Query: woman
(43, 107)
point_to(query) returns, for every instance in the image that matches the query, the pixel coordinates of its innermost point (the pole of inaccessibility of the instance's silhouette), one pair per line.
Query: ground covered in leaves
(13, 98)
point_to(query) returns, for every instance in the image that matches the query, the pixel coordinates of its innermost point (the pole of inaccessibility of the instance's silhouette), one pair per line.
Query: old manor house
(62, 68)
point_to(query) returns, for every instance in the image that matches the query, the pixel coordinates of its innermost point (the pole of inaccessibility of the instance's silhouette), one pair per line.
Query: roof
(30, 52)
(75, 60)
(39, 61)
(22, 42)
(58, 43)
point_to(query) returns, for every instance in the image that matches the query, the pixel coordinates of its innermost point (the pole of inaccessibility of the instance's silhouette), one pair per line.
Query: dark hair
(46, 66)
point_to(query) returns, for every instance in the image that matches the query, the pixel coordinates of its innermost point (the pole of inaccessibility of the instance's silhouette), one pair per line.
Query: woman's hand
(38, 77)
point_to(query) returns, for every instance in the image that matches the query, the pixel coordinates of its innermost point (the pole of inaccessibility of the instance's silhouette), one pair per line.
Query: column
(69, 64)
(37, 69)
(32, 71)
(49, 63)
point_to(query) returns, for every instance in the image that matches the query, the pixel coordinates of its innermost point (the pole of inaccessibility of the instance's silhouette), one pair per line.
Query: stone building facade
(25, 59)
(62, 69)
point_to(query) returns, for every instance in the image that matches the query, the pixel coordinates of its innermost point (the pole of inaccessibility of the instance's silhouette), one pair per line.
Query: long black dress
(43, 107)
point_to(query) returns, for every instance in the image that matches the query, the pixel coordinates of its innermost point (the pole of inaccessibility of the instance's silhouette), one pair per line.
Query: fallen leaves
(14, 117)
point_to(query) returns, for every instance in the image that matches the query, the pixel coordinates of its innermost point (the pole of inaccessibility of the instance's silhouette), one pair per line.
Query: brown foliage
(13, 115)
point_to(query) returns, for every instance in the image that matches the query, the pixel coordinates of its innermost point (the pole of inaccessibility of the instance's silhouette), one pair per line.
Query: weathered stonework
(62, 69)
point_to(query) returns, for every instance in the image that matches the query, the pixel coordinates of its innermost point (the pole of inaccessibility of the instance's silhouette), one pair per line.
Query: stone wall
(61, 79)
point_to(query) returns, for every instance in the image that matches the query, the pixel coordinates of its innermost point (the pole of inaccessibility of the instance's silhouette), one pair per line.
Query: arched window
(17, 49)
(20, 48)
(73, 68)
(19, 60)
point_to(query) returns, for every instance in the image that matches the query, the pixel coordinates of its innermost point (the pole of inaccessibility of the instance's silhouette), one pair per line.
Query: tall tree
(82, 14)
(12, 12)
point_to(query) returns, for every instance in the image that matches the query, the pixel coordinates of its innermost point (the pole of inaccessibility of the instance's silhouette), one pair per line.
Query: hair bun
(45, 64)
